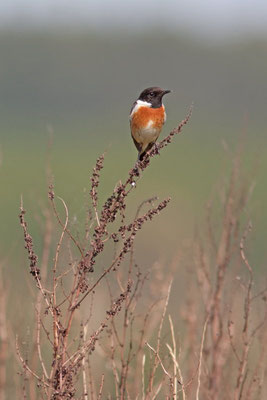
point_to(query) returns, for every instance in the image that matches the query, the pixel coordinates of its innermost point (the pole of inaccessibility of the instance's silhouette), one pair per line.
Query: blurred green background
(79, 80)
(69, 73)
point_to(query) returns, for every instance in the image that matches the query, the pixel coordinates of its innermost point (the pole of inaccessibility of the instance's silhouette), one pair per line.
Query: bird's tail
(143, 152)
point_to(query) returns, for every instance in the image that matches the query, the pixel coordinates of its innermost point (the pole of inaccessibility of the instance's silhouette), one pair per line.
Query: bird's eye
(151, 94)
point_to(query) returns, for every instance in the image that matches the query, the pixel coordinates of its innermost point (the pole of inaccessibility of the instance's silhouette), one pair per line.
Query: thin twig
(101, 387)
(200, 357)
(161, 363)
(176, 363)
(85, 394)
(38, 341)
(25, 365)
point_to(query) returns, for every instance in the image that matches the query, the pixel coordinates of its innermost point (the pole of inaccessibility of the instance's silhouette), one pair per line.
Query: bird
(147, 117)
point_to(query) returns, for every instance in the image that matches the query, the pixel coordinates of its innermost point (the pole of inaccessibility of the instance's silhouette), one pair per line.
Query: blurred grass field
(82, 85)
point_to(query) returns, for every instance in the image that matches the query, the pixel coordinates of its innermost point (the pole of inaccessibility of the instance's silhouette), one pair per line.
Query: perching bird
(147, 119)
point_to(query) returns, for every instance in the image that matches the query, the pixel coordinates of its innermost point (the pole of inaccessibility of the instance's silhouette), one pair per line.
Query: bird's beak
(165, 92)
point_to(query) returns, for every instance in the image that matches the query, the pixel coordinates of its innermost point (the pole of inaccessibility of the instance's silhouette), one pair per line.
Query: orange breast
(147, 116)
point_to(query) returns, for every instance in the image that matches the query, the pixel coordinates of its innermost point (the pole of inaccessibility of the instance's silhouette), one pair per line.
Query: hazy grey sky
(219, 17)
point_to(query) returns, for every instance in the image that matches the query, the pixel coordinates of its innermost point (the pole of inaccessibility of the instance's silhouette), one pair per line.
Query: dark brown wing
(134, 104)
(137, 145)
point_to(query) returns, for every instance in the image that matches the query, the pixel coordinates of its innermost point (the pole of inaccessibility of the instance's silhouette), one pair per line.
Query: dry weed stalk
(64, 286)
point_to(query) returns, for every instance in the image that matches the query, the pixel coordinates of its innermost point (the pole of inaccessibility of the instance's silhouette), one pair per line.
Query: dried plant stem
(85, 394)
(201, 356)
(161, 363)
(25, 365)
(176, 366)
(143, 376)
(247, 339)
(101, 387)
(156, 359)
(39, 343)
